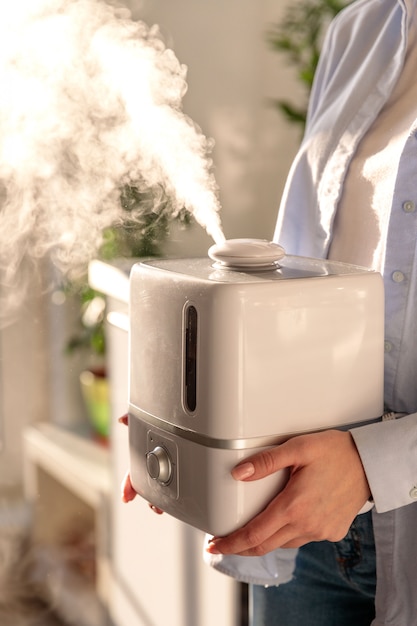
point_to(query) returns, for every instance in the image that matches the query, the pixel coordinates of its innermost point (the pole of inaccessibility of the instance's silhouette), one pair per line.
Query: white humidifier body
(224, 363)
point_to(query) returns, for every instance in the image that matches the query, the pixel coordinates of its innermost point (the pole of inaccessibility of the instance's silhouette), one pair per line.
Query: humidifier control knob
(159, 465)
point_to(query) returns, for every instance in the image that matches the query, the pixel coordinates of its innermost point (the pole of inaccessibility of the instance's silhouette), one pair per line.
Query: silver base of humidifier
(191, 479)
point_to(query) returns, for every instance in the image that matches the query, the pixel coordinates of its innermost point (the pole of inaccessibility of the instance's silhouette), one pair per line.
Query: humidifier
(236, 352)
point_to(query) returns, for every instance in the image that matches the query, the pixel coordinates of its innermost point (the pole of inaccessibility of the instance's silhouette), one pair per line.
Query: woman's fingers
(128, 493)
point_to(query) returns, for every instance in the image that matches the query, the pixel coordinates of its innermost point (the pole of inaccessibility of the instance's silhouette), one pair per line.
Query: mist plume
(91, 101)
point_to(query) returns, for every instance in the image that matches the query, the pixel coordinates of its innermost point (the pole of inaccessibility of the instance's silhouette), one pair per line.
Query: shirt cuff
(388, 452)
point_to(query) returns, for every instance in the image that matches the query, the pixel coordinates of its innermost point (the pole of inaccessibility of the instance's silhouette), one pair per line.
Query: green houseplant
(299, 36)
(141, 232)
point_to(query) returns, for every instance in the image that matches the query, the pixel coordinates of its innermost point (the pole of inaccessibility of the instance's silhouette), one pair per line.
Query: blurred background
(71, 552)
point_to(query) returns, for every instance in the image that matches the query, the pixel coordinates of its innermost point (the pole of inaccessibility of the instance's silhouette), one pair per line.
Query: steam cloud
(91, 100)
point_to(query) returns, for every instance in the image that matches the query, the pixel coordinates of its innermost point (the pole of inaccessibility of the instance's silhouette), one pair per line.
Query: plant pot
(95, 392)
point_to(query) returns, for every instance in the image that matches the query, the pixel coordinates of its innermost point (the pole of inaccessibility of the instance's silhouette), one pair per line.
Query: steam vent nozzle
(247, 254)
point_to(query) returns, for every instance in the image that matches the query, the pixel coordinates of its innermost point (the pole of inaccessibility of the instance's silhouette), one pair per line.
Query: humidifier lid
(247, 254)
(250, 261)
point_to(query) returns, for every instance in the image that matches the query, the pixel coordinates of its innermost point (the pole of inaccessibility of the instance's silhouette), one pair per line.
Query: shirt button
(387, 346)
(397, 276)
(409, 206)
(413, 493)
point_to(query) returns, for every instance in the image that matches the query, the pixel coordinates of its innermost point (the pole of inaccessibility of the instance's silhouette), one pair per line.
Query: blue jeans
(333, 585)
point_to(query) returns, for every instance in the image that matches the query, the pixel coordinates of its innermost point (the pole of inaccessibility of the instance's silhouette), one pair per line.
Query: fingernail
(211, 548)
(243, 471)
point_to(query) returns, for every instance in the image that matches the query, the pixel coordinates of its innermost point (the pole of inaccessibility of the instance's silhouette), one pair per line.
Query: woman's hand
(326, 489)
